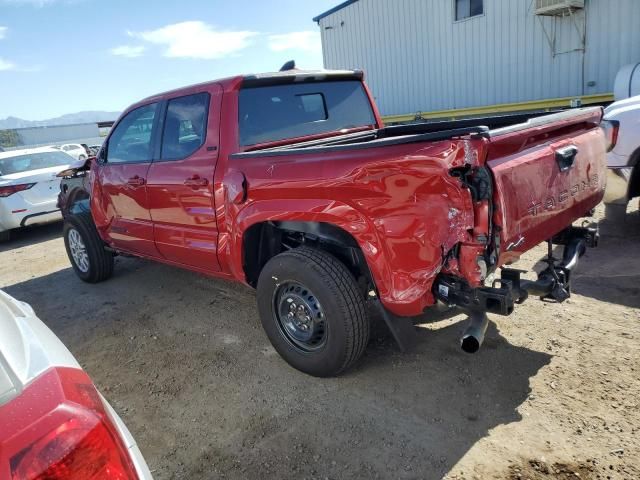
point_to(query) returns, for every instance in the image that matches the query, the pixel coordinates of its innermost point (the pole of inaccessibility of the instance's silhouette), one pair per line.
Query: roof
(261, 79)
(333, 10)
(298, 76)
(15, 153)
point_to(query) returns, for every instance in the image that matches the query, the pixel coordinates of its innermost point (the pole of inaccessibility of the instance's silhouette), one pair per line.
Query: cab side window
(132, 139)
(185, 126)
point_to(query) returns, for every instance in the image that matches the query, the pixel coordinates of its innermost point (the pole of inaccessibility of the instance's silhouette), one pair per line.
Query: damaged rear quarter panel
(398, 202)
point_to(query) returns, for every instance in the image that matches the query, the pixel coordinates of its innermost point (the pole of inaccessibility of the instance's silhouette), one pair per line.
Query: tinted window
(295, 110)
(185, 126)
(468, 8)
(131, 139)
(33, 161)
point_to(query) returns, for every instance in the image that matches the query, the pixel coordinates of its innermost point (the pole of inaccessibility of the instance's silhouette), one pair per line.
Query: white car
(76, 150)
(54, 422)
(29, 187)
(622, 121)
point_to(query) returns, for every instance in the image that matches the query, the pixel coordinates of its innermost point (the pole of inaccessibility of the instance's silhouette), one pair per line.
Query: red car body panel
(399, 202)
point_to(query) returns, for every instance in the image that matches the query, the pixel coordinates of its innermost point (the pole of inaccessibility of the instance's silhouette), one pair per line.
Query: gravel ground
(553, 393)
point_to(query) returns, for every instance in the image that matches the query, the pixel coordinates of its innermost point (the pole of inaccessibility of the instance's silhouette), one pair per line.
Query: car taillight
(7, 190)
(81, 443)
(611, 129)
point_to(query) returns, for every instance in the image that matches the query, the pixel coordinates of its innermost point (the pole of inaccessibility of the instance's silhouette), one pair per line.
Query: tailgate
(548, 172)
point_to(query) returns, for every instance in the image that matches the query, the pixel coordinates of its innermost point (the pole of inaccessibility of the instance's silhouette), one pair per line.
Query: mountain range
(68, 119)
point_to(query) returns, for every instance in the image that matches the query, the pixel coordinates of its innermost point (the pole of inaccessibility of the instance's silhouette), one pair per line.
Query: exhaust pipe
(473, 336)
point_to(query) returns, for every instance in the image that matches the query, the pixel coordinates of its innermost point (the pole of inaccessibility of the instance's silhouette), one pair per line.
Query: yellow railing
(542, 105)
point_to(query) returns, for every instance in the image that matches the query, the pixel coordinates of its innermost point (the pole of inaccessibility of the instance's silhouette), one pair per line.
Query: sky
(65, 56)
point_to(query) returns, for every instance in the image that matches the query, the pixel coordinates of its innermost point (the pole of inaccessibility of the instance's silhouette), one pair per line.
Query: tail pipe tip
(473, 336)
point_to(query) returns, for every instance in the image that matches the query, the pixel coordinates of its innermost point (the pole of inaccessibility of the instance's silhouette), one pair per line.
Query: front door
(122, 176)
(180, 182)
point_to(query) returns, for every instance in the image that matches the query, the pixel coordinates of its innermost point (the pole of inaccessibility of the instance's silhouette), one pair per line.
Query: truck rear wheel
(85, 249)
(313, 311)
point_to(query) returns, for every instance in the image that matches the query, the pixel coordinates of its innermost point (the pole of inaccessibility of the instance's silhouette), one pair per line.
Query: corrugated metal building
(440, 55)
(88, 133)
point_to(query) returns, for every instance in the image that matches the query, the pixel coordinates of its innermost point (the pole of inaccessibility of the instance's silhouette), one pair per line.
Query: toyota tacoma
(291, 183)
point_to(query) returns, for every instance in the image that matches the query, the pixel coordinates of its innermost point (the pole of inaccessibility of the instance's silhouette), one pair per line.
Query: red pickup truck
(291, 183)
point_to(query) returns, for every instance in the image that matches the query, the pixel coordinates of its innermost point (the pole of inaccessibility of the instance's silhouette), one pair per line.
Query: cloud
(129, 51)
(6, 65)
(3, 32)
(196, 39)
(308, 41)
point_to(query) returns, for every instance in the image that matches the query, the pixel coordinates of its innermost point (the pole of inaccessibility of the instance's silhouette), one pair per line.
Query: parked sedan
(54, 423)
(29, 187)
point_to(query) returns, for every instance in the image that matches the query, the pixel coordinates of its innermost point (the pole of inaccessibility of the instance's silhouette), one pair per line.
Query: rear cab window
(279, 112)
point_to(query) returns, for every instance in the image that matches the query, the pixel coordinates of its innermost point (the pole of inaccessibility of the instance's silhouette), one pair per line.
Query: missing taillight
(611, 129)
(8, 190)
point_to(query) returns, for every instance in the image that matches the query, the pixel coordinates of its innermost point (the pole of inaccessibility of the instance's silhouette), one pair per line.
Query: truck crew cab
(291, 183)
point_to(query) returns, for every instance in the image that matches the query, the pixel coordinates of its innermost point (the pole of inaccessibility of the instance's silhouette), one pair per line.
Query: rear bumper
(16, 214)
(554, 283)
(42, 217)
(617, 191)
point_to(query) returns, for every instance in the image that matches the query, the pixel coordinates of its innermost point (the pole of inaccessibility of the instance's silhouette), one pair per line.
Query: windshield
(279, 112)
(33, 161)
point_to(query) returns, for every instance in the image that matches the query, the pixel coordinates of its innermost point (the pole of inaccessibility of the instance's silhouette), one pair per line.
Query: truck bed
(535, 196)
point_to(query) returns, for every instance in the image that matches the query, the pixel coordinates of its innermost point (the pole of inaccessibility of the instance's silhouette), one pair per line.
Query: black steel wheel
(300, 316)
(313, 311)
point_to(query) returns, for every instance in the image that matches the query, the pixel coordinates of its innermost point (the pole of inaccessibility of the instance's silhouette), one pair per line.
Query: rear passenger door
(180, 182)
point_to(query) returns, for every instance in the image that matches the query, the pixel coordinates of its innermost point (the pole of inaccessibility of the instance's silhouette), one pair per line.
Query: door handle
(196, 181)
(565, 157)
(136, 181)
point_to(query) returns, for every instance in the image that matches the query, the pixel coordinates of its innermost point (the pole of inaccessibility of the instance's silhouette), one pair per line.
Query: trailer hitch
(554, 282)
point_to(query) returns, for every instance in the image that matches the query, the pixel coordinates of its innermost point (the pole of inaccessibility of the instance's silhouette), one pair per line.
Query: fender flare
(338, 214)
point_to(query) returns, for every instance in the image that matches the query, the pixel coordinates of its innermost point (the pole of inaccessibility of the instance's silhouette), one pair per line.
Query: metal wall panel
(418, 58)
(57, 134)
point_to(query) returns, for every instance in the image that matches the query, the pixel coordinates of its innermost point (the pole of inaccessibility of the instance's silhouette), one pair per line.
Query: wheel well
(77, 200)
(634, 182)
(265, 240)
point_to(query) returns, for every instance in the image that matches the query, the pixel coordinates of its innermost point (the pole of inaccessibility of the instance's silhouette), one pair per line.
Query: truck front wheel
(85, 249)
(313, 311)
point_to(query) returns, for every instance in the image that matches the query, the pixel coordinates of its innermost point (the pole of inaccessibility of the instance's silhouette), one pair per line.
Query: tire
(333, 311)
(5, 236)
(94, 264)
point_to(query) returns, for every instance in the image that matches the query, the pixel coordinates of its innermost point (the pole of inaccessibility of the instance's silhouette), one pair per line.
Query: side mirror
(102, 154)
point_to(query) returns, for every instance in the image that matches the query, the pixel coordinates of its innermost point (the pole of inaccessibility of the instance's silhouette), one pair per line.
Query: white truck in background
(623, 117)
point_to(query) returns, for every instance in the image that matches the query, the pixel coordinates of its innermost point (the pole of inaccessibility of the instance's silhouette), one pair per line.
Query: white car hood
(27, 348)
(620, 105)
(32, 176)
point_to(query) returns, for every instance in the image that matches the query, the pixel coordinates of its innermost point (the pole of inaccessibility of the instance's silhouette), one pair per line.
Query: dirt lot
(554, 392)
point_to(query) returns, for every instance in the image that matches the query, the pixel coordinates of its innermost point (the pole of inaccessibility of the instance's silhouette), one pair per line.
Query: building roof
(333, 10)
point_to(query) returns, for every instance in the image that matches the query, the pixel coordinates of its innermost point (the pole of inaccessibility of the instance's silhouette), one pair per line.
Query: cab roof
(265, 79)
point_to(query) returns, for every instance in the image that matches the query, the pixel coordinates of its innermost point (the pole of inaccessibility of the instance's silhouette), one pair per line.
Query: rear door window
(185, 126)
(279, 112)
